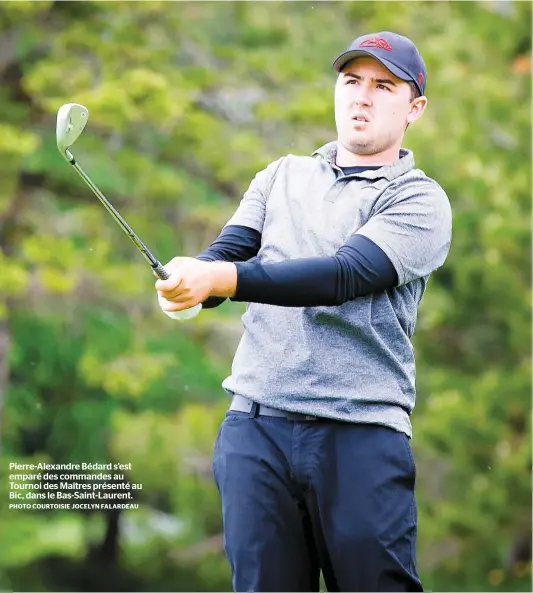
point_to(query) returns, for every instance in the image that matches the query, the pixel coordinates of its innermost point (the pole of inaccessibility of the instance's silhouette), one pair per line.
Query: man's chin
(359, 146)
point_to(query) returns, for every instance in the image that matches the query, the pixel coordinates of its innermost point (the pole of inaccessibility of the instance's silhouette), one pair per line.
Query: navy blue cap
(397, 53)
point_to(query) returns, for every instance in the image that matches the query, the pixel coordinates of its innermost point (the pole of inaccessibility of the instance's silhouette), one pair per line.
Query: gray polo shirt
(352, 362)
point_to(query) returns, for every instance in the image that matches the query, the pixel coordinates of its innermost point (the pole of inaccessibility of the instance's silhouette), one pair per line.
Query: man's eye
(352, 81)
(383, 87)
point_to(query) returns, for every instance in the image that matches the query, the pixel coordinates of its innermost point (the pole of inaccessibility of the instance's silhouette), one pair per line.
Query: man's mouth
(360, 118)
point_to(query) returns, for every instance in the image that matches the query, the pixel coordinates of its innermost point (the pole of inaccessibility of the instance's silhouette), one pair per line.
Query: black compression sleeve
(358, 268)
(235, 243)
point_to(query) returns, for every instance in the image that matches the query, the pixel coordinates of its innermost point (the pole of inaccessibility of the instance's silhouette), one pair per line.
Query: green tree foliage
(187, 102)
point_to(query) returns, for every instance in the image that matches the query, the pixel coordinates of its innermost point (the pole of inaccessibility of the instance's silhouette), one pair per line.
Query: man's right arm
(236, 243)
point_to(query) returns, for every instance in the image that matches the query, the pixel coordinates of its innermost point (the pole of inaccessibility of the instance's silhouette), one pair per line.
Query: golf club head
(71, 120)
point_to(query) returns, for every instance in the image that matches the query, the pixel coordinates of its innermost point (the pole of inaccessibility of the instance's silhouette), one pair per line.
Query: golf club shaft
(154, 263)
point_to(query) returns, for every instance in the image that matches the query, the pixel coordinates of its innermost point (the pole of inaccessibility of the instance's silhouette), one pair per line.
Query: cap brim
(347, 56)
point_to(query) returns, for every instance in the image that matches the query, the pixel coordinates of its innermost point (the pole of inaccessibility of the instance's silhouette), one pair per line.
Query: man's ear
(418, 106)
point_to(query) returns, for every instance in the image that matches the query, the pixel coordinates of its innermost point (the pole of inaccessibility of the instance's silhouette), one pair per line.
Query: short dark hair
(415, 93)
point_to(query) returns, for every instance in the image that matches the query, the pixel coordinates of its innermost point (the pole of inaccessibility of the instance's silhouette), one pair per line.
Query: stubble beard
(368, 147)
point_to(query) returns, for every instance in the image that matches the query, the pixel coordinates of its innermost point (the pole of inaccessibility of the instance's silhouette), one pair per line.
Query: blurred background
(187, 101)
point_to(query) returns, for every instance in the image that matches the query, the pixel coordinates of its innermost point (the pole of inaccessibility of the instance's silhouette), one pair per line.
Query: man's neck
(345, 158)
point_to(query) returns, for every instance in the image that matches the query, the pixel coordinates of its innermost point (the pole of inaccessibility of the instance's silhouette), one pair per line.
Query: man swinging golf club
(333, 253)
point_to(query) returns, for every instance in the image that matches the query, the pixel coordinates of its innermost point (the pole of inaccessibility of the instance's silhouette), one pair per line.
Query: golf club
(71, 121)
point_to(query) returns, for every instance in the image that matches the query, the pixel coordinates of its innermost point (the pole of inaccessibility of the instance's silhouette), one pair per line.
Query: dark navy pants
(300, 497)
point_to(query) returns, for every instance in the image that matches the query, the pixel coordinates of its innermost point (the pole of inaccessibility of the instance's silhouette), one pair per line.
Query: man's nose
(362, 96)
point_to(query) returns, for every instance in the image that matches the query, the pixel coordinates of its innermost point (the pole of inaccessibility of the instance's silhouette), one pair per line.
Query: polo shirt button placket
(334, 191)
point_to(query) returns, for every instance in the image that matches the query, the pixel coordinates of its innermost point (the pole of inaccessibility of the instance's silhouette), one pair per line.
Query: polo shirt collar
(405, 162)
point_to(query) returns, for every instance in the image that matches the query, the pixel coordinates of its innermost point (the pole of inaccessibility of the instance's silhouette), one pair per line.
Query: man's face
(372, 107)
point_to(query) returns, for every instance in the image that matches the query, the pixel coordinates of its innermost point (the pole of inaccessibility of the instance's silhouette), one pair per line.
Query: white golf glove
(179, 315)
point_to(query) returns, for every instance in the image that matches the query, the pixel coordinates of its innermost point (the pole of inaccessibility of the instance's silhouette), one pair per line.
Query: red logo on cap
(378, 42)
(420, 78)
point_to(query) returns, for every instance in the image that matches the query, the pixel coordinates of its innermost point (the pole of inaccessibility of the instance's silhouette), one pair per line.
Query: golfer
(332, 253)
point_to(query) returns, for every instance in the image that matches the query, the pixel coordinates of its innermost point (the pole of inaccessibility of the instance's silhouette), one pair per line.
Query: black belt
(240, 403)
